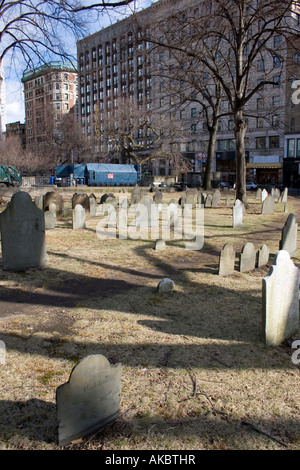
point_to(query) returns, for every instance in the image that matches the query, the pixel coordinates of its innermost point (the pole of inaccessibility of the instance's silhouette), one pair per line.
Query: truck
(9, 176)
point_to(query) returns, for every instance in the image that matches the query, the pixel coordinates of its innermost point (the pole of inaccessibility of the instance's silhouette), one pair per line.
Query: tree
(240, 33)
(134, 134)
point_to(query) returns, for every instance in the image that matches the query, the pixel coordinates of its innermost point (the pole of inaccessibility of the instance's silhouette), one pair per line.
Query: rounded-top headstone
(165, 286)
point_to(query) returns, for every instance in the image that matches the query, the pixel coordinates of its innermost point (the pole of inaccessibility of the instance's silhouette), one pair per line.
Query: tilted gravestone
(289, 232)
(268, 205)
(237, 214)
(90, 400)
(280, 301)
(79, 216)
(22, 234)
(247, 258)
(263, 256)
(227, 260)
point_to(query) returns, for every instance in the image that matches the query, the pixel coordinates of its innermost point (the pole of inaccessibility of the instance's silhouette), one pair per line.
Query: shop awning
(264, 165)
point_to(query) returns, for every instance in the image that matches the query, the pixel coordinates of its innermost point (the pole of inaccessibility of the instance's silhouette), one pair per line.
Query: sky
(14, 87)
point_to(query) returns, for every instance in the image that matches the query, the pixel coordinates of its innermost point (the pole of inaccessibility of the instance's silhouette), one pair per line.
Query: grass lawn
(195, 372)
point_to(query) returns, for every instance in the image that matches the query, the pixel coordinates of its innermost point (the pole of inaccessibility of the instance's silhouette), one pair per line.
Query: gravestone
(50, 220)
(52, 208)
(258, 194)
(284, 195)
(237, 214)
(79, 216)
(208, 201)
(103, 198)
(288, 240)
(90, 400)
(268, 205)
(216, 198)
(165, 286)
(247, 258)
(227, 260)
(276, 195)
(82, 199)
(280, 300)
(137, 195)
(39, 202)
(22, 234)
(52, 196)
(203, 197)
(93, 205)
(158, 197)
(263, 256)
(264, 194)
(160, 244)
(228, 201)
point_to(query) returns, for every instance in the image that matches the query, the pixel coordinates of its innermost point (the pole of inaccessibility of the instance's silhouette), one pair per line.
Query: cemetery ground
(195, 372)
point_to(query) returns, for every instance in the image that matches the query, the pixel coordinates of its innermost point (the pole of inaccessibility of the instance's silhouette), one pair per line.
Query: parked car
(225, 185)
(250, 186)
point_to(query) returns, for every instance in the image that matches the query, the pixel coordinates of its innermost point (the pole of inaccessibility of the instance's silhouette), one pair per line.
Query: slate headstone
(93, 205)
(284, 195)
(208, 201)
(289, 232)
(258, 194)
(22, 234)
(90, 400)
(160, 244)
(216, 198)
(53, 196)
(264, 195)
(82, 199)
(247, 258)
(227, 260)
(263, 256)
(280, 300)
(39, 202)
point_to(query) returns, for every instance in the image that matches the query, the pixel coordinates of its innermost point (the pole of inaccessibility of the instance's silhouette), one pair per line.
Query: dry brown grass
(195, 373)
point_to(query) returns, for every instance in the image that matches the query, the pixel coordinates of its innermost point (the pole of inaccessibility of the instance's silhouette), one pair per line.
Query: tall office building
(118, 62)
(50, 92)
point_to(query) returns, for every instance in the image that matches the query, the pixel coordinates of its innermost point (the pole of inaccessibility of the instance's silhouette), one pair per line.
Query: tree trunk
(240, 158)
(210, 155)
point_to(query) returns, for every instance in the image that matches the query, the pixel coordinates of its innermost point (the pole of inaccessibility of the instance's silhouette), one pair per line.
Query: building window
(259, 122)
(193, 112)
(261, 65)
(291, 148)
(274, 142)
(276, 81)
(260, 142)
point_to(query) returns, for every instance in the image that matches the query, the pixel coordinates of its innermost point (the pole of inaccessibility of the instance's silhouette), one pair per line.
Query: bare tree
(235, 34)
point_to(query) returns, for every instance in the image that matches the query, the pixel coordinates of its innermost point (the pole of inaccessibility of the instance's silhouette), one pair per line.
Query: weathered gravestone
(247, 258)
(208, 200)
(22, 234)
(280, 300)
(90, 400)
(284, 195)
(158, 197)
(165, 286)
(216, 198)
(52, 196)
(226, 260)
(79, 216)
(160, 244)
(263, 256)
(50, 220)
(39, 202)
(202, 197)
(92, 204)
(268, 205)
(258, 194)
(237, 214)
(264, 195)
(228, 201)
(82, 199)
(288, 240)
(137, 195)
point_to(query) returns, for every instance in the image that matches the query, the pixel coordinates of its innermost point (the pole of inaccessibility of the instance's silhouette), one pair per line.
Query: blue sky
(13, 86)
